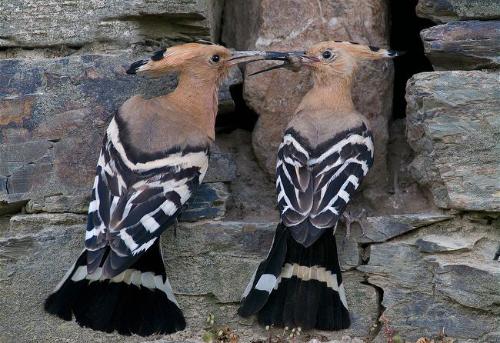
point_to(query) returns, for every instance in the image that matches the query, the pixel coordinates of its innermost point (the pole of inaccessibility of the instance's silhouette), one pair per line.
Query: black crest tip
(136, 65)
(158, 55)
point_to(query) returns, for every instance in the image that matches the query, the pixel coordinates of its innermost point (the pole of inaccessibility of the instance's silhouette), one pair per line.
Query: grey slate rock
(474, 285)
(383, 228)
(414, 306)
(22, 224)
(208, 266)
(74, 203)
(463, 45)
(450, 10)
(31, 23)
(445, 243)
(453, 126)
(53, 115)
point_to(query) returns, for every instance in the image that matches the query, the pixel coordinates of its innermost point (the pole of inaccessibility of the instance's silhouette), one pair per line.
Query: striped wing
(315, 185)
(133, 203)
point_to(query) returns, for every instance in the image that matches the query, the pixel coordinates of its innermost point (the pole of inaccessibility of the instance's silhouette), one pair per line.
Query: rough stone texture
(424, 293)
(31, 23)
(383, 228)
(463, 45)
(440, 243)
(53, 114)
(59, 204)
(275, 95)
(451, 10)
(425, 269)
(23, 224)
(472, 285)
(453, 126)
(208, 264)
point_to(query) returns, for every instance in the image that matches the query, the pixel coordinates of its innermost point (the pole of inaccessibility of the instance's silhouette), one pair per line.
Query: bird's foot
(348, 218)
(176, 223)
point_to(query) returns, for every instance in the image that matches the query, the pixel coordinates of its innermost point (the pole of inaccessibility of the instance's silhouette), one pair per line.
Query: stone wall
(425, 265)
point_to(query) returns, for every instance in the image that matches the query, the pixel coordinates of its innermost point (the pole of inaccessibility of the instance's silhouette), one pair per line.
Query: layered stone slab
(208, 265)
(463, 45)
(31, 23)
(453, 126)
(426, 290)
(451, 10)
(53, 115)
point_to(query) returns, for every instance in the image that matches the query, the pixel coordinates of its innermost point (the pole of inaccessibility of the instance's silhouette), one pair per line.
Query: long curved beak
(254, 56)
(292, 60)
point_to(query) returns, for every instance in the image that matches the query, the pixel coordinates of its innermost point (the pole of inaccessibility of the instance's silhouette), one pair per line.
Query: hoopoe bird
(326, 151)
(154, 156)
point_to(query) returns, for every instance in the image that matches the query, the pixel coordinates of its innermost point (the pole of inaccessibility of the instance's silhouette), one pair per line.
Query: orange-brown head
(341, 58)
(333, 58)
(209, 62)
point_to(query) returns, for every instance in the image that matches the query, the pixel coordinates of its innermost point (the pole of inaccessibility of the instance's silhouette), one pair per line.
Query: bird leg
(175, 224)
(348, 218)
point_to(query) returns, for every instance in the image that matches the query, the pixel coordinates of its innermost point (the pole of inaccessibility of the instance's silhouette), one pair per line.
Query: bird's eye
(215, 58)
(327, 54)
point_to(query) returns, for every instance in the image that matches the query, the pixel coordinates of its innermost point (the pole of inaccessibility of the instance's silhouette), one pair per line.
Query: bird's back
(321, 162)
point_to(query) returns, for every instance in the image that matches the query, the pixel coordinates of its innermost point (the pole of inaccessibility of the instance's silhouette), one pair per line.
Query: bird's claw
(348, 218)
(176, 223)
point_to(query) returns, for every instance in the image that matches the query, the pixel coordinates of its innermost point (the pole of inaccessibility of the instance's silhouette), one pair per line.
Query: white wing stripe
(312, 273)
(93, 206)
(144, 247)
(129, 241)
(287, 139)
(353, 139)
(189, 160)
(149, 223)
(334, 199)
(168, 207)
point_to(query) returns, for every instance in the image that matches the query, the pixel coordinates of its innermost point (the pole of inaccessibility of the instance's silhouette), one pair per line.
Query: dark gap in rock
(42, 51)
(377, 326)
(55, 140)
(364, 251)
(243, 117)
(405, 36)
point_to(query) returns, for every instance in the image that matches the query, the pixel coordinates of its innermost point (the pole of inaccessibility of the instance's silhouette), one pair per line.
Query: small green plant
(285, 335)
(214, 334)
(390, 334)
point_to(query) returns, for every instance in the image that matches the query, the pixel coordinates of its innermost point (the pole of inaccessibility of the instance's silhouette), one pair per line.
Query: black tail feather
(256, 299)
(126, 307)
(308, 291)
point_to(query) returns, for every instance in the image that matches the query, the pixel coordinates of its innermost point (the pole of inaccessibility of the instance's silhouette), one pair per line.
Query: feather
(312, 194)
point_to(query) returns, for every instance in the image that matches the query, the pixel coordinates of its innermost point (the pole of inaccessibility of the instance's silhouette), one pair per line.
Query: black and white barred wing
(339, 166)
(314, 187)
(133, 203)
(294, 183)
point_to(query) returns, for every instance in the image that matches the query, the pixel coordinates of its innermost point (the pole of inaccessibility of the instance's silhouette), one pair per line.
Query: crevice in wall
(364, 253)
(405, 195)
(7, 184)
(378, 325)
(242, 117)
(52, 51)
(405, 36)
